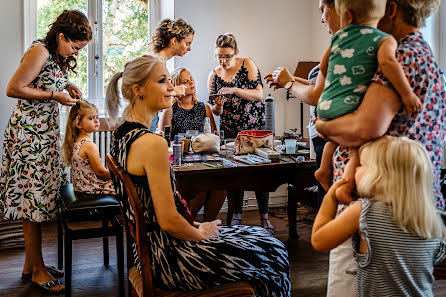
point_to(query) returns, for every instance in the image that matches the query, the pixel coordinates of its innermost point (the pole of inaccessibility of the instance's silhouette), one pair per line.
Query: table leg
(291, 212)
(231, 198)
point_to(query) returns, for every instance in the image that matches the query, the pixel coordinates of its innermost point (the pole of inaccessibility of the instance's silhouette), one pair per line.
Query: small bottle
(207, 125)
(269, 113)
(176, 147)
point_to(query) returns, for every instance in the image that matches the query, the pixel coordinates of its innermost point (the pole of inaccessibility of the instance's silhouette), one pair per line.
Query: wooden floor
(90, 278)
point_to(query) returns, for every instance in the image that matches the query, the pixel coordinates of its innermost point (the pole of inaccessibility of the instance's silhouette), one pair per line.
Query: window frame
(95, 82)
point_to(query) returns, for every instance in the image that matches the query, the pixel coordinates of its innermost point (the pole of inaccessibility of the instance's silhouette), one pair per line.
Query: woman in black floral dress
(184, 256)
(240, 108)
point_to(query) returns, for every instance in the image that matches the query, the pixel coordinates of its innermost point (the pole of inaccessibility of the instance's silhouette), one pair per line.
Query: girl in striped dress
(397, 232)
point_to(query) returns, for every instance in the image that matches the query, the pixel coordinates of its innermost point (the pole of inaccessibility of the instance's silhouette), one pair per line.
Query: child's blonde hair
(362, 10)
(176, 81)
(77, 112)
(399, 172)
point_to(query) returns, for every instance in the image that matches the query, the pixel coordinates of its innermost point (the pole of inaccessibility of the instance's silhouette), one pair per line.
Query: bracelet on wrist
(52, 94)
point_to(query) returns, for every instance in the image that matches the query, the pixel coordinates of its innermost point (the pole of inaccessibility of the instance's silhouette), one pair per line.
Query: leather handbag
(247, 141)
(206, 143)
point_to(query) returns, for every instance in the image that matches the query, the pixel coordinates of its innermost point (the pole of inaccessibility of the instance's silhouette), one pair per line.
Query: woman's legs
(263, 204)
(32, 234)
(197, 203)
(213, 204)
(238, 208)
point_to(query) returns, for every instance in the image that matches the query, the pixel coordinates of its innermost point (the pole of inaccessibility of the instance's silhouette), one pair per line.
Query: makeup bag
(247, 141)
(206, 143)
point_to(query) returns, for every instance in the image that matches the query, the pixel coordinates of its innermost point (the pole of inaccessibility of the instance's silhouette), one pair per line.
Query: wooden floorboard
(308, 268)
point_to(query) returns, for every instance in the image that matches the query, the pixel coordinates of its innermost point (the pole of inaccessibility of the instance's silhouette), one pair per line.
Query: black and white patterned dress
(240, 253)
(188, 119)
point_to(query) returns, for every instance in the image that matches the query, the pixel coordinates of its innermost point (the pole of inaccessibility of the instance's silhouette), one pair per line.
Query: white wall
(272, 33)
(11, 34)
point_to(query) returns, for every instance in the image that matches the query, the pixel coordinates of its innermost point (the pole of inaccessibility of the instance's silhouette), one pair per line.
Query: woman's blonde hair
(166, 30)
(77, 112)
(362, 10)
(136, 72)
(415, 12)
(399, 172)
(175, 77)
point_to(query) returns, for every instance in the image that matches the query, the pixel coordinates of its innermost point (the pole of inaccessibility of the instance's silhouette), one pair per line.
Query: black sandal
(236, 220)
(51, 284)
(271, 229)
(56, 273)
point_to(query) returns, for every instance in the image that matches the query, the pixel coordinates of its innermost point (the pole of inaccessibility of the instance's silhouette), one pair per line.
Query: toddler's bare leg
(344, 192)
(324, 173)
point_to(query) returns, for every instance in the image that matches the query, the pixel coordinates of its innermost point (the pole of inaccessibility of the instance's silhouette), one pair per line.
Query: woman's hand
(179, 91)
(279, 78)
(74, 92)
(227, 91)
(64, 98)
(219, 101)
(209, 229)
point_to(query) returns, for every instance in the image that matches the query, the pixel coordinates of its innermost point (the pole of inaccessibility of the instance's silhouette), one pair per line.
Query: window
(120, 33)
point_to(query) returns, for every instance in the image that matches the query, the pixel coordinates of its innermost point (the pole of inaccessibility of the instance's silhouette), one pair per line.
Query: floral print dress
(83, 176)
(32, 170)
(240, 114)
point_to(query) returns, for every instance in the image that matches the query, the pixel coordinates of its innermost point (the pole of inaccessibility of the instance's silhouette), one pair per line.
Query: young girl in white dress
(87, 172)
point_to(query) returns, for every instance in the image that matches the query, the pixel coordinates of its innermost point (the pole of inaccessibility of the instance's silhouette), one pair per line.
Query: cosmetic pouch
(206, 143)
(247, 141)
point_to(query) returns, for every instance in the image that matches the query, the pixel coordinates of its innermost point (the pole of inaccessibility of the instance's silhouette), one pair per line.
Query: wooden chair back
(139, 235)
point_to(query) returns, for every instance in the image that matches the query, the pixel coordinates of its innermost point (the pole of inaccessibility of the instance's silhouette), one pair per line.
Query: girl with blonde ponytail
(397, 232)
(87, 172)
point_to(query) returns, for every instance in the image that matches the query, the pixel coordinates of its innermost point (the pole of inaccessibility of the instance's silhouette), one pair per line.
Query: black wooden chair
(140, 284)
(77, 207)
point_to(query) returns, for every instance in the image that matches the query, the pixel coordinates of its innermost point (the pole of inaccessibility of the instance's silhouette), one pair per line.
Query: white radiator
(102, 141)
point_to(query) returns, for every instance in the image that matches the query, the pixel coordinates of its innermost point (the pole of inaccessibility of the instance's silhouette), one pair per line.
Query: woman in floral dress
(240, 108)
(31, 170)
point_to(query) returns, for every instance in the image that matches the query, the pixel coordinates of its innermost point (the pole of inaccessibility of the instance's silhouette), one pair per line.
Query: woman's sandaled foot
(265, 223)
(54, 287)
(56, 273)
(236, 221)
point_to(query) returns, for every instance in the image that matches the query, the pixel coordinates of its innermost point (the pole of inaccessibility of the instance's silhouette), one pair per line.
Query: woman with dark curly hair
(31, 172)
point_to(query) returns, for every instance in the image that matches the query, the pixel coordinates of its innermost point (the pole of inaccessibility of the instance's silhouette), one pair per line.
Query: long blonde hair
(77, 112)
(399, 172)
(175, 77)
(137, 72)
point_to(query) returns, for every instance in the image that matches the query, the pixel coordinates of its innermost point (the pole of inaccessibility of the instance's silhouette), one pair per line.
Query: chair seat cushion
(234, 289)
(82, 206)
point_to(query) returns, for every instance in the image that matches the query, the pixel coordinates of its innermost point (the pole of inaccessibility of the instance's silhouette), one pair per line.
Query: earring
(141, 97)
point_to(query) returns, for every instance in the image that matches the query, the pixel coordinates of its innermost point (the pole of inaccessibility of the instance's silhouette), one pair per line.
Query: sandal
(56, 273)
(51, 284)
(268, 226)
(235, 221)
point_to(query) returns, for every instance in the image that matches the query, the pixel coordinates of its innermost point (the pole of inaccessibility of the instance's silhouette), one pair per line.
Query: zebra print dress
(244, 253)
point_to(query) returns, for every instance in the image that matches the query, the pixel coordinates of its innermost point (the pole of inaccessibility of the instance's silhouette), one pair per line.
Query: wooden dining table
(196, 177)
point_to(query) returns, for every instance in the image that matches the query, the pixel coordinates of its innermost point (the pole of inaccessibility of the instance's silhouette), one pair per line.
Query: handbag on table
(206, 143)
(247, 141)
